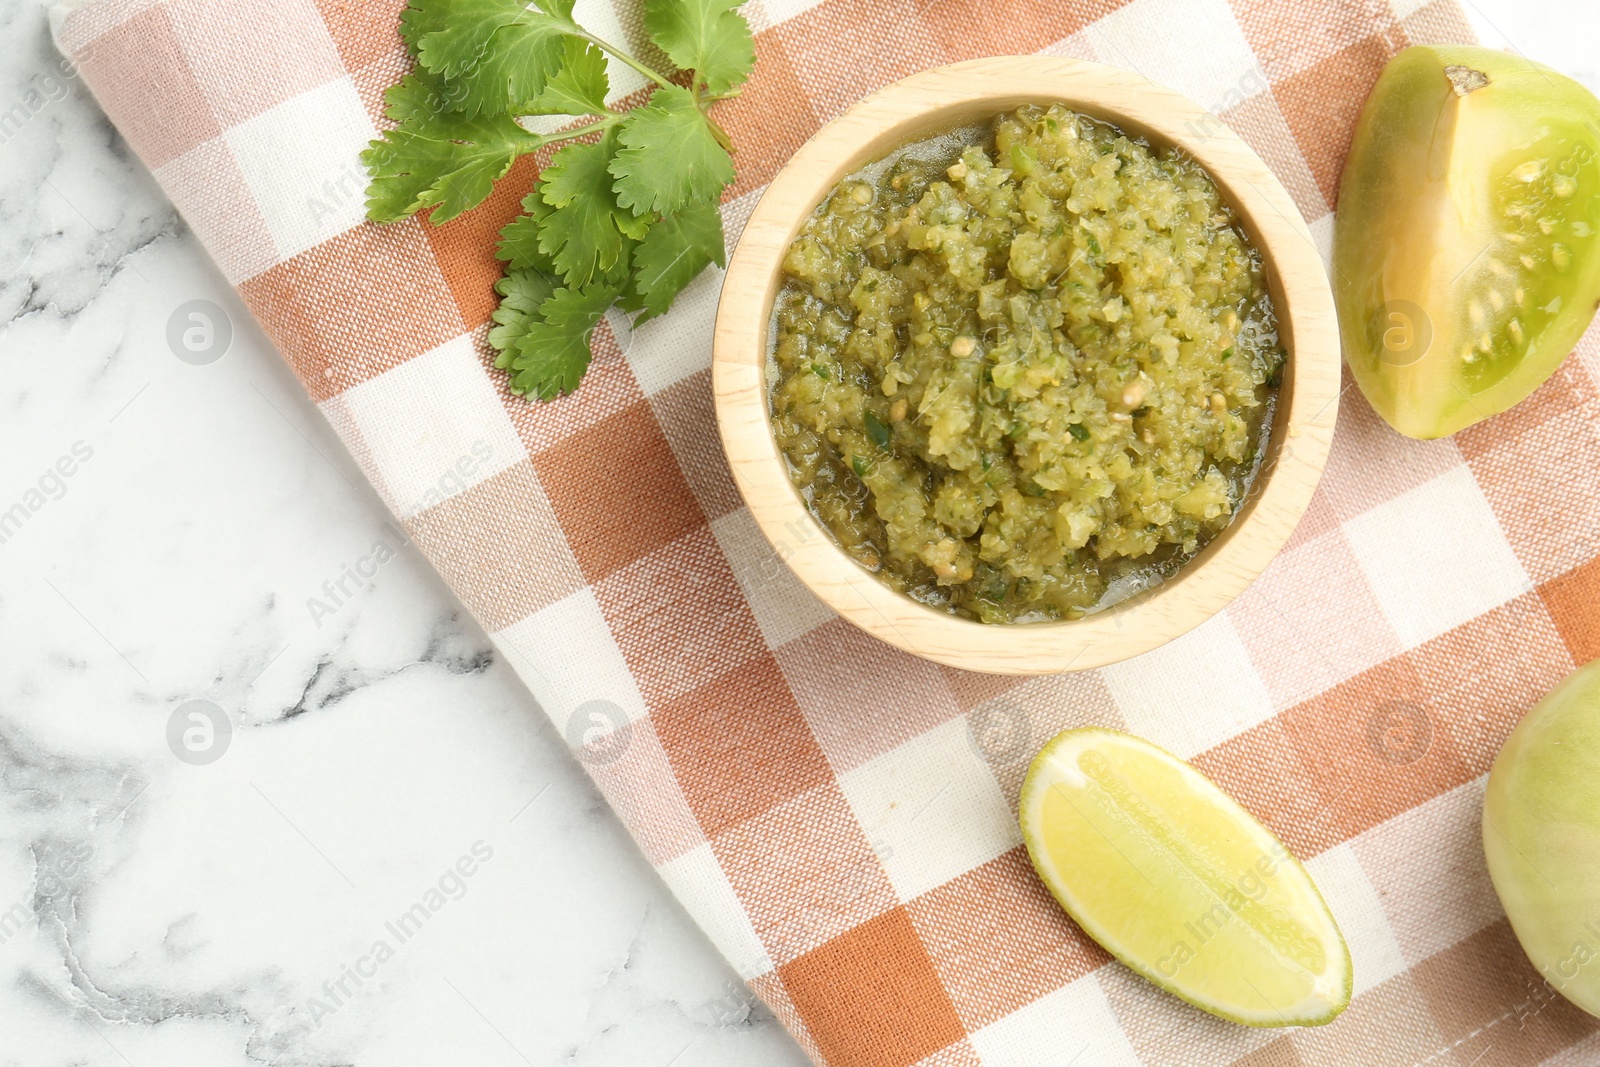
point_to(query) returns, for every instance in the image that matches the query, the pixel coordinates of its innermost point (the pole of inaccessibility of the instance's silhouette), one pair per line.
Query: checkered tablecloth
(837, 816)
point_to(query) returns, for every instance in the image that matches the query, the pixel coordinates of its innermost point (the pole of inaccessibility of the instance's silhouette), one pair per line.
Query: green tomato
(1465, 258)
(1541, 834)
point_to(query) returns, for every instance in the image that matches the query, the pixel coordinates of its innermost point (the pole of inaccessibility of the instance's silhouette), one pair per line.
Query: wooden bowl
(942, 99)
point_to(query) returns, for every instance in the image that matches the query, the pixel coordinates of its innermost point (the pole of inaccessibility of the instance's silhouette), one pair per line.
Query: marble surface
(156, 909)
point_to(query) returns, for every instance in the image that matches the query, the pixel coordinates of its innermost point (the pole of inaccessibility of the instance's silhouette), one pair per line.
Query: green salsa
(1024, 371)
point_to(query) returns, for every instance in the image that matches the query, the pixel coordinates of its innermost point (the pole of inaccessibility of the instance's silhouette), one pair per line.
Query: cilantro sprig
(624, 214)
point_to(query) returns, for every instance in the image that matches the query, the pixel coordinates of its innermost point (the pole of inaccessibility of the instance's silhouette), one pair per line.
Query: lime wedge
(1179, 882)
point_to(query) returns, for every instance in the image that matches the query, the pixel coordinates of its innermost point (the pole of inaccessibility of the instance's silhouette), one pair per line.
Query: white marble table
(175, 521)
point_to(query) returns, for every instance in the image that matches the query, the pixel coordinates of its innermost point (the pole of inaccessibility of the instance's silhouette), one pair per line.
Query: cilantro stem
(719, 133)
(612, 49)
(537, 141)
(611, 119)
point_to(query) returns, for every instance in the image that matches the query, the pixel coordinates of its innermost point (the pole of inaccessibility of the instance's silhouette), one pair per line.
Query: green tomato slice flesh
(1466, 260)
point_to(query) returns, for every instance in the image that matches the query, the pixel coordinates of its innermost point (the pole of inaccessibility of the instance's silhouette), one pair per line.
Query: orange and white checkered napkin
(837, 816)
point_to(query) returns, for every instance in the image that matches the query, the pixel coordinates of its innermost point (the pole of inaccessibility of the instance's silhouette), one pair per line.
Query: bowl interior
(936, 102)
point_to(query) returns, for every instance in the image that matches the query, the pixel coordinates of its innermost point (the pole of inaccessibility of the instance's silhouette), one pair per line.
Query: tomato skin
(1541, 835)
(1466, 261)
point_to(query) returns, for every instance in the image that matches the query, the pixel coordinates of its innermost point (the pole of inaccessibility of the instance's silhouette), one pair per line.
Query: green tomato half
(1466, 263)
(1541, 834)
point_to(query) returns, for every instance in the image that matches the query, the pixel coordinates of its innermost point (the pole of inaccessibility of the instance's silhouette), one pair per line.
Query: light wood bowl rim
(943, 98)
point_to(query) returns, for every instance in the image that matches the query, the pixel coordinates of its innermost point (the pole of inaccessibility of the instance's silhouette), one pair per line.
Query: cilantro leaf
(579, 88)
(419, 101)
(671, 127)
(521, 293)
(583, 234)
(421, 18)
(437, 160)
(548, 362)
(708, 37)
(568, 306)
(412, 173)
(519, 65)
(496, 52)
(673, 253)
(452, 36)
(519, 238)
(550, 354)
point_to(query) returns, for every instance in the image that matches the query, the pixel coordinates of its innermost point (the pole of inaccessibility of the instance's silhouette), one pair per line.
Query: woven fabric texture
(837, 816)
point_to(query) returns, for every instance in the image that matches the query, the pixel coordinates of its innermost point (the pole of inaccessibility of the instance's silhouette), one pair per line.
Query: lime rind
(1185, 843)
